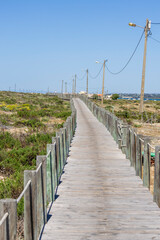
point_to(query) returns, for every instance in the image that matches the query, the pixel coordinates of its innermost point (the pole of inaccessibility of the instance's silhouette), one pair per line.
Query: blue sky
(45, 42)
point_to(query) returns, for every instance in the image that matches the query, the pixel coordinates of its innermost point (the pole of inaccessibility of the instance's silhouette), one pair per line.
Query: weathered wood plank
(100, 197)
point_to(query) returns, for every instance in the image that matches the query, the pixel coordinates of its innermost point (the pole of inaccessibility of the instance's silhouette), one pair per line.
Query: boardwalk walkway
(100, 198)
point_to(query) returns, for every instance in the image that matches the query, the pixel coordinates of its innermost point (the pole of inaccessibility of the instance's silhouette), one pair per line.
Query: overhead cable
(154, 39)
(96, 74)
(81, 77)
(115, 73)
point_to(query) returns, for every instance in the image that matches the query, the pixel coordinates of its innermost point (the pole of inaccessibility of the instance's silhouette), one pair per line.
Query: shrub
(95, 97)
(24, 113)
(123, 114)
(62, 115)
(108, 107)
(137, 125)
(115, 96)
(7, 141)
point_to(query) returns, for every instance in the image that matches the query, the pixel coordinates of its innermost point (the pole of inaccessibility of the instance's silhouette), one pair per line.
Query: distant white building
(82, 92)
(109, 97)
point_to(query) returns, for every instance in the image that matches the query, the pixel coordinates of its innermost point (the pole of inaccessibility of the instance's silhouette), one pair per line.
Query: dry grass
(148, 127)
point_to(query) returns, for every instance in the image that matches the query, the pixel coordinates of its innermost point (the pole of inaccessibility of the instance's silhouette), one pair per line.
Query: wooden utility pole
(75, 84)
(87, 83)
(103, 82)
(65, 87)
(144, 69)
(62, 87)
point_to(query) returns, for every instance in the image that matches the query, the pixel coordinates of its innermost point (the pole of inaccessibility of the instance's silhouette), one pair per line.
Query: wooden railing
(40, 187)
(137, 148)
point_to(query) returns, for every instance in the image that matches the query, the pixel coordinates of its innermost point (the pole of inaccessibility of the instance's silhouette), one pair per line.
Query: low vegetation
(27, 123)
(115, 96)
(128, 110)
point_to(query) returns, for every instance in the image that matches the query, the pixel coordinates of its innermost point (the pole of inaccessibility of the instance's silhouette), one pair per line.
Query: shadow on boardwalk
(100, 197)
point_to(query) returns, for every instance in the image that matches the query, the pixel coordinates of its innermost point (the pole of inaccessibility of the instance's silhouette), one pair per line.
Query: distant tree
(95, 96)
(115, 96)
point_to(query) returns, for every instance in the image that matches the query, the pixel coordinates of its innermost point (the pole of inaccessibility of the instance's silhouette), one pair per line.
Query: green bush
(62, 115)
(10, 101)
(115, 96)
(95, 97)
(24, 113)
(8, 141)
(137, 125)
(123, 114)
(108, 107)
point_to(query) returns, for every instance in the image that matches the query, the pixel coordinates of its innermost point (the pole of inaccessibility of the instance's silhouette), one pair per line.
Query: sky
(45, 42)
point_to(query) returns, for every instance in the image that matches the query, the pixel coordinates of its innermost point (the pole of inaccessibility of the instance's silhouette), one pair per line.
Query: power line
(155, 23)
(154, 39)
(96, 74)
(80, 79)
(115, 73)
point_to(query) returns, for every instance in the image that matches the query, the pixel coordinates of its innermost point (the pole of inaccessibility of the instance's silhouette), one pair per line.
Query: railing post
(138, 157)
(51, 171)
(43, 160)
(74, 121)
(63, 130)
(109, 116)
(10, 229)
(146, 163)
(58, 158)
(106, 119)
(69, 132)
(60, 135)
(65, 126)
(40, 200)
(71, 128)
(124, 138)
(128, 144)
(111, 124)
(64, 145)
(156, 196)
(133, 149)
(67, 138)
(30, 206)
(117, 133)
(114, 128)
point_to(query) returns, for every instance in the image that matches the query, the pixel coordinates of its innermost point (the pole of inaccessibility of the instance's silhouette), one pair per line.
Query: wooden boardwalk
(100, 198)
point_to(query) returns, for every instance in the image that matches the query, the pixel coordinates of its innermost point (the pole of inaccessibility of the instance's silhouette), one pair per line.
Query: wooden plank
(99, 196)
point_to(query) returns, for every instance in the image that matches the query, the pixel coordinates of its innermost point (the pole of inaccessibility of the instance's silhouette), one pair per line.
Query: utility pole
(15, 88)
(87, 83)
(62, 87)
(65, 87)
(75, 84)
(103, 81)
(147, 27)
(73, 87)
